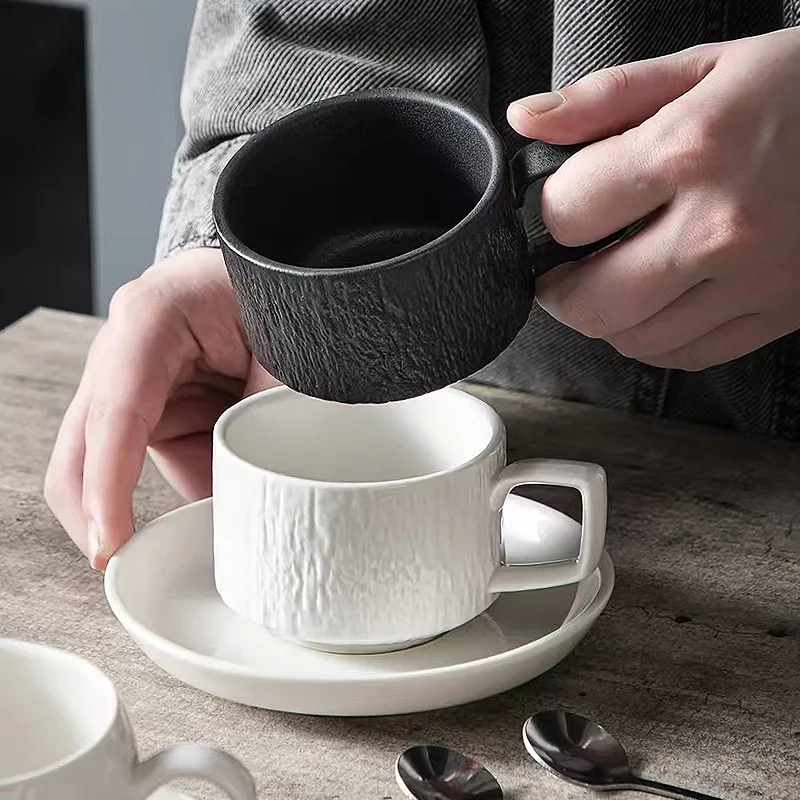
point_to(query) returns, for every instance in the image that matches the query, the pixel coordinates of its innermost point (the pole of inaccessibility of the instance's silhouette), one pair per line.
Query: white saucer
(160, 586)
(168, 794)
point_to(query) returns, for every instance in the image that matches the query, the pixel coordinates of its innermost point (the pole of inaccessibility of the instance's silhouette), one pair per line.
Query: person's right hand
(170, 359)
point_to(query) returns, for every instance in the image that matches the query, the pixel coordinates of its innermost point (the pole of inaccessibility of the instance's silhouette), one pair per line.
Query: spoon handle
(664, 790)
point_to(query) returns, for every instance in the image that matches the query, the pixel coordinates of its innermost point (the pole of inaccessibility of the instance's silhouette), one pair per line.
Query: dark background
(45, 250)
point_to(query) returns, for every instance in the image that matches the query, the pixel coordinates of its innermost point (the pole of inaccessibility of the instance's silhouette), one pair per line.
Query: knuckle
(113, 409)
(135, 298)
(614, 79)
(126, 298)
(583, 314)
(705, 137)
(688, 149)
(669, 262)
(725, 231)
(102, 408)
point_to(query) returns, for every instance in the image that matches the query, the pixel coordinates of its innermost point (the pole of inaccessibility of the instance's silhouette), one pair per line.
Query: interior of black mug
(355, 183)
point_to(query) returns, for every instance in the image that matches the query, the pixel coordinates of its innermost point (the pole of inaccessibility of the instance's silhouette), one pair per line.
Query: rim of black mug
(230, 172)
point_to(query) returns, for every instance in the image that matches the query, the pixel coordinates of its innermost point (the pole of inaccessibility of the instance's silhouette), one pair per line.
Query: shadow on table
(657, 679)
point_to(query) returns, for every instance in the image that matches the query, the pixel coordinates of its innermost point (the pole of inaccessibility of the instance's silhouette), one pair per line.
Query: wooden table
(695, 664)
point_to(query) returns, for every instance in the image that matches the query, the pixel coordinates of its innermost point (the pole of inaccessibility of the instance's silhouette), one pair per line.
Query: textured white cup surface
(65, 736)
(372, 527)
(356, 526)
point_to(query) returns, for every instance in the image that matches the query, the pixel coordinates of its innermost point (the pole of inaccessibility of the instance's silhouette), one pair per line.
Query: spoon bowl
(576, 749)
(586, 754)
(427, 772)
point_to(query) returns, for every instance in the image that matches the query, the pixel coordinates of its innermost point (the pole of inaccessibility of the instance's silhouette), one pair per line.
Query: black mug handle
(531, 165)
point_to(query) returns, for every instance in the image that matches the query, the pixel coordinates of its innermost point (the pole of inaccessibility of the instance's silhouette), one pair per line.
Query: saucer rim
(146, 637)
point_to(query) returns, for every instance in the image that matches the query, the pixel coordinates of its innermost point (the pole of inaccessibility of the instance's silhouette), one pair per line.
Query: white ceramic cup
(375, 527)
(64, 736)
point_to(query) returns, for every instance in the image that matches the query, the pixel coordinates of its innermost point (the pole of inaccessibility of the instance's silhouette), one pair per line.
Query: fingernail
(94, 545)
(540, 103)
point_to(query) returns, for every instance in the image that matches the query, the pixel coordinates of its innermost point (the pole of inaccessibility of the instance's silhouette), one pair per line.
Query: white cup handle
(590, 481)
(195, 761)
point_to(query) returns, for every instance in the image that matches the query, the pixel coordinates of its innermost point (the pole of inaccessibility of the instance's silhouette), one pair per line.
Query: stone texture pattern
(336, 566)
(694, 664)
(105, 771)
(385, 334)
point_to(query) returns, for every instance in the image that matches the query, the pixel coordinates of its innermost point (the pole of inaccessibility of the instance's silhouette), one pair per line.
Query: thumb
(611, 100)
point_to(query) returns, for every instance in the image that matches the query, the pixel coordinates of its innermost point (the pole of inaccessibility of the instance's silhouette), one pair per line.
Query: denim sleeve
(250, 62)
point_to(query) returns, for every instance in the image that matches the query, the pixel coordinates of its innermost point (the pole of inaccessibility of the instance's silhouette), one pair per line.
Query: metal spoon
(582, 752)
(436, 773)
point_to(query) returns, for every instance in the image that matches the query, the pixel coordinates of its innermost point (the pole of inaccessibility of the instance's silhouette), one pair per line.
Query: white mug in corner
(375, 527)
(64, 736)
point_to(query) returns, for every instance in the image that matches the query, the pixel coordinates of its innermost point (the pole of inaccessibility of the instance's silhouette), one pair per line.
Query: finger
(195, 407)
(611, 100)
(731, 340)
(691, 316)
(185, 464)
(180, 445)
(63, 483)
(625, 284)
(605, 187)
(182, 442)
(150, 348)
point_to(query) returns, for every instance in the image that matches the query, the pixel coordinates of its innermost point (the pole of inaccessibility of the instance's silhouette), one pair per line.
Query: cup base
(361, 649)
(372, 648)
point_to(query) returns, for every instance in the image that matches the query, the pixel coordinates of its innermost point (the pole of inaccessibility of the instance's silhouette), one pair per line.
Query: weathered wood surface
(695, 664)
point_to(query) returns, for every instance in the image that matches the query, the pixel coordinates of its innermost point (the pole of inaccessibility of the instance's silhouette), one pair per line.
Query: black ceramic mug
(376, 244)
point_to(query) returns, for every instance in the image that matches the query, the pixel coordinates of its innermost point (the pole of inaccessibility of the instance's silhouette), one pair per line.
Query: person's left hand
(706, 145)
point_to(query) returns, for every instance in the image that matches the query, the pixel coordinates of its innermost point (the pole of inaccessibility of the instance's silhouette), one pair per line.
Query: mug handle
(529, 166)
(191, 760)
(590, 481)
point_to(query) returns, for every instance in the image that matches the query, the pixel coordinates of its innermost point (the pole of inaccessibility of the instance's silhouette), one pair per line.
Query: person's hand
(171, 358)
(705, 144)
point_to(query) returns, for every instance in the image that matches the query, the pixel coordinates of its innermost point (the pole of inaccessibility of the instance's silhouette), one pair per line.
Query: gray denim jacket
(253, 61)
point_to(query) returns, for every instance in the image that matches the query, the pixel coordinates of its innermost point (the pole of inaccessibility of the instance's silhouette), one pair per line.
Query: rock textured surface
(327, 565)
(695, 665)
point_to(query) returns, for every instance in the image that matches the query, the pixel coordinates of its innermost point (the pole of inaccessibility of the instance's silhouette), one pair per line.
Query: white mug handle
(194, 761)
(590, 481)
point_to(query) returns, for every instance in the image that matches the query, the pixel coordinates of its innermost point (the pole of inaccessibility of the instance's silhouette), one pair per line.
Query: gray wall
(136, 51)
